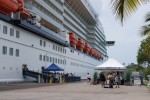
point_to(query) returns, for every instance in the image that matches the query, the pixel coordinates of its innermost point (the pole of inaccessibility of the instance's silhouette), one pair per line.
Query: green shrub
(95, 77)
(128, 74)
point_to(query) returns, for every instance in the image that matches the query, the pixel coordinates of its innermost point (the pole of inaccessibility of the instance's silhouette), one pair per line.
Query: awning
(111, 64)
(53, 67)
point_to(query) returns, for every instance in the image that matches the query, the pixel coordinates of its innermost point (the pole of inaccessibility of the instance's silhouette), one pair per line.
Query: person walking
(132, 80)
(117, 79)
(88, 79)
(103, 79)
(111, 80)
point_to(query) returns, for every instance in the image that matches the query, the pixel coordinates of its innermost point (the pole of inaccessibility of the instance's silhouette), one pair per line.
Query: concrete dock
(72, 91)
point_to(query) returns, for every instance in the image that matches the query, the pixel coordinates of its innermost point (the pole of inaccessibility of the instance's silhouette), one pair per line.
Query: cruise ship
(38, 33)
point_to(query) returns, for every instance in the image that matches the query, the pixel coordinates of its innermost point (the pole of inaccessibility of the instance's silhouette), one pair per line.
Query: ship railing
(77, 16)
(90, 8)
(59, 35)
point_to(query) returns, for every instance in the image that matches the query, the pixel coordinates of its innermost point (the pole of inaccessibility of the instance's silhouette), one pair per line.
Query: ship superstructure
(38, 33)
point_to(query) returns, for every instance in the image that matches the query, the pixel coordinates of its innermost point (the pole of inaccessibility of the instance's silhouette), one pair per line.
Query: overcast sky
(126, 37)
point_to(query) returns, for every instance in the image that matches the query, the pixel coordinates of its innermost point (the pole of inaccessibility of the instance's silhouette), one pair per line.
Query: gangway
(36, 75)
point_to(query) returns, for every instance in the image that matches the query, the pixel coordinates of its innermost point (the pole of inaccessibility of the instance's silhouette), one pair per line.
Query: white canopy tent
(111, 64)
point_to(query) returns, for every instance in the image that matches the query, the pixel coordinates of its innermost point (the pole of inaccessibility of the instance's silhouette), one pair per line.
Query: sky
(126, 37)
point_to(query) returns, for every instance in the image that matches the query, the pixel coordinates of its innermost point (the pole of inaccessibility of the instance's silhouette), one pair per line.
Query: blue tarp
(53, 67)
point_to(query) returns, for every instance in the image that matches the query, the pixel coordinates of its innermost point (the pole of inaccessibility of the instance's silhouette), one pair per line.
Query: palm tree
(124, 8)
(145, 30)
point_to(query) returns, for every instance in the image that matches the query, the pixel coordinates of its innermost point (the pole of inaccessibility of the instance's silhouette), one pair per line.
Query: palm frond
(145, 30)
(123, 8)
(147, 17)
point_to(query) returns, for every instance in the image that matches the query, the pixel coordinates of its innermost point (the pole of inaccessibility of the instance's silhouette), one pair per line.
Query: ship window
(63, 62)
(11, 32)
(17, 34)
(58, 61)
(47, 59)
(44, 43)
(16, 68)
(53, 47)
(11, 51)
(40, 42)
(60, 49)
(40, 57)
(72, 51)
(50, 59)
(4, 50)
(44, 58)
(5, 29)
(53, 60)
(10, 68)
(56, 48)
(17, 52)
(65, 50)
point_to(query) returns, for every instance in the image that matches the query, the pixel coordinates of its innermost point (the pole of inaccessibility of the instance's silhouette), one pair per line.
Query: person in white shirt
(88, 79)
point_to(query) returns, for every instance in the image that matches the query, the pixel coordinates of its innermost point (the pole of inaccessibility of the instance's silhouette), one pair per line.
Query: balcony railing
(61, 36)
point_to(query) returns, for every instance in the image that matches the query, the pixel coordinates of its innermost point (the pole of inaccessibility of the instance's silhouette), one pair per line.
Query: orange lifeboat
(72, 39)
(79, 44)
(94, 52)
(99, 56)
(9, 6)
(86, 48)
(91, 52)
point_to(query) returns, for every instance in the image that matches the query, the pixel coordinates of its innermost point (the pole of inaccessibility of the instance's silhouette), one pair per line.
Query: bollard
(63, 79)
(51, 80)
(39, 78)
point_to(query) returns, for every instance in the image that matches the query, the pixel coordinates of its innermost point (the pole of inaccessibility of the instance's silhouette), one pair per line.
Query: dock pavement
(71, 91)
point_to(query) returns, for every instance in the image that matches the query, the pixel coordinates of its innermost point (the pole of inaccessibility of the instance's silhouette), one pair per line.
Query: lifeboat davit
(24, 13)
(79, 44)
(86, 48)
(72, 39)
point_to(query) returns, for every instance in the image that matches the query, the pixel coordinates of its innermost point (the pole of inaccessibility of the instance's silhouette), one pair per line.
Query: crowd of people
(114, 79)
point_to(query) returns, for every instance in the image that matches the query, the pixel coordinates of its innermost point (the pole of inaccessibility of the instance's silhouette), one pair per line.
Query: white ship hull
(38, 33)
(71, 60)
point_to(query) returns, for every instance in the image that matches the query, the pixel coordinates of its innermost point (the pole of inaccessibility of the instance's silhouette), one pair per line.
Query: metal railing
(61, 36)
